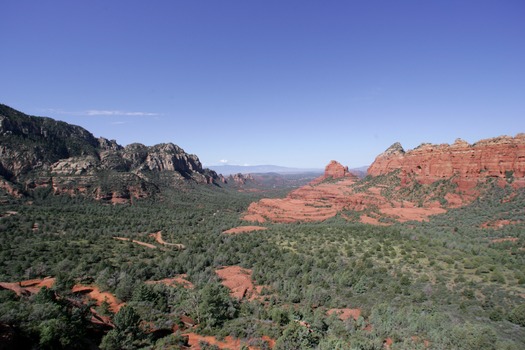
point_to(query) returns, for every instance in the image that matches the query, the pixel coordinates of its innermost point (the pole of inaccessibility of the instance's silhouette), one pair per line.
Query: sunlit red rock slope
(495, 157)
(403, 186)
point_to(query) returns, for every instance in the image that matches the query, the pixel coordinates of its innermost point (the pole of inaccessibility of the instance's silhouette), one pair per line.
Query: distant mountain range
(228, 169)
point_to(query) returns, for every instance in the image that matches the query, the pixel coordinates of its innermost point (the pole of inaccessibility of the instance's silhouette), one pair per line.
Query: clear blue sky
(294, 83)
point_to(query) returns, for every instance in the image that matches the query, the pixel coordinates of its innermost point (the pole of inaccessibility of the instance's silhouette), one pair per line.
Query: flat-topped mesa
(498, 157)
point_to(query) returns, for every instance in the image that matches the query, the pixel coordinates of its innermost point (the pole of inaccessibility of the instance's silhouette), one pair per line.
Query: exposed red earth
(159, 239)
(29, 286)
(409, 214)
(345, 314)
(498, 223)
(33, 286)
(244, 229)
(464, 166)
(417, 339)
(144, 244)
(239, 281)
(174, 281)
(228, 342)
(365, 219)
(93, 292)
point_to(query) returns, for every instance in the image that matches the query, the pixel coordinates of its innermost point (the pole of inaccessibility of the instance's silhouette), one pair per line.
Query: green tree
(215, 306)
(127, 333)
(517, 315)
(297, 336)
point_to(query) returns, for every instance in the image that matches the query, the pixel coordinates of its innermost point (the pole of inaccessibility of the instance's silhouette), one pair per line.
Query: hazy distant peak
(228, 169)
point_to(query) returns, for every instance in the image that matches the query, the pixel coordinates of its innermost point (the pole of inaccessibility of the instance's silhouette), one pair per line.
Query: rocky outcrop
(240, 179)
(317, 201)
(334, 170)
(501, 157)
(38, 152)
(403, 186)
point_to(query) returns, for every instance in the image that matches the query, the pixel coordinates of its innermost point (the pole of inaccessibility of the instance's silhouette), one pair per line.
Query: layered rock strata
(403, 186)
(38, 152)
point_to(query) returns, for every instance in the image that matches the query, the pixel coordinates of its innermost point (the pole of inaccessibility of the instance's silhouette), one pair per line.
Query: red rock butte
(461, 166)
(334, 170)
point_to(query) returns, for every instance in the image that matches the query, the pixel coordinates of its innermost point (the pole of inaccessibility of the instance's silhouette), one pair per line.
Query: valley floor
(177, 276)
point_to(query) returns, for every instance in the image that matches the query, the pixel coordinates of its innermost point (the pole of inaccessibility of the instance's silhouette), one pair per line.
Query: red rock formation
(240, 179)
(310, 203)
(405, 193)
(334, 170)
(498, 157)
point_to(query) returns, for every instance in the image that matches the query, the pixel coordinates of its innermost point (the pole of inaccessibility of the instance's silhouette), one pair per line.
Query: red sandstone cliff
(498, 157)
(408, 190)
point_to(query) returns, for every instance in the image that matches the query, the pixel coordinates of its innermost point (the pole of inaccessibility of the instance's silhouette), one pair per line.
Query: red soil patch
(498, 223)
(289, 210)
(244, 229)
(345, 314)
(158, 238)
(365, 219)
(228, 343)
(388, 343)
(239, 281)
(412, 214)
(94, 293)
(269, 340)
(505, 239)
(148, 245)
(34, 286)
(29, 286)
(174, 281)
(417, 339)
(254, 218)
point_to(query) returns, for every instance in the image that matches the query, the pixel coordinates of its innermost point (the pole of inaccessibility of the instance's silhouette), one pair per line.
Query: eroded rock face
(334, 170)
(317, 201)
(240, 179)
(38, 152)
(498, 157)
(413, 185)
